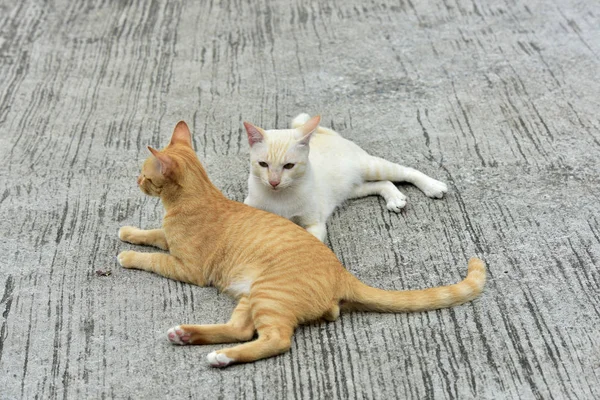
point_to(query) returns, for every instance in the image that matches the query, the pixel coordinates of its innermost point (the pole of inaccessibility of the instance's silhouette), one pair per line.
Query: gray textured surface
(498, 99)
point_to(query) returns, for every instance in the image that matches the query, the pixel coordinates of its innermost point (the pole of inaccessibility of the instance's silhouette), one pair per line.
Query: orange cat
(281, 275)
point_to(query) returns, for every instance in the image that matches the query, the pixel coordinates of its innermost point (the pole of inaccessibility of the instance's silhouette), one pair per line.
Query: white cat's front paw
(396, 203)
(218, 359)
(435, 189)
(177, 335)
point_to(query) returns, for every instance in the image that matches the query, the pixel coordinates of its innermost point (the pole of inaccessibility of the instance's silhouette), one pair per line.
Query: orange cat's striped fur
(281, 275)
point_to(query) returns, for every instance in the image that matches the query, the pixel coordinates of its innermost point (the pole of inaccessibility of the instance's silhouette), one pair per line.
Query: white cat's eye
(289, 166)
(263, 164)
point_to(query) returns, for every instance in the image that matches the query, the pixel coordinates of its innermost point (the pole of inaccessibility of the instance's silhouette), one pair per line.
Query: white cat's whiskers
(333, 171)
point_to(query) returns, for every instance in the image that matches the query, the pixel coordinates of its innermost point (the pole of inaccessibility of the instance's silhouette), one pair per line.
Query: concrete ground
(498, 99)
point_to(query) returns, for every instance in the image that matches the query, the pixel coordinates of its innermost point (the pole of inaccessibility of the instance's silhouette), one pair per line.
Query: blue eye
(263, 164)
(289, 166)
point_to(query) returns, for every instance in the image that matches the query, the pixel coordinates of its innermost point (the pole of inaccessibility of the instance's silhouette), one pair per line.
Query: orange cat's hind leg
(272, 340)
(274, 321)
(240, 328)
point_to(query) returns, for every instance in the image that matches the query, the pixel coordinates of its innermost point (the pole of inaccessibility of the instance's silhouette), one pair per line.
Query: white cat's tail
(300, 120)
(360, 296)
(303, 118)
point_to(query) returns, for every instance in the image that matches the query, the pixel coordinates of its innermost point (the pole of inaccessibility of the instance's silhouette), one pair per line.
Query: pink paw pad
(178, 336)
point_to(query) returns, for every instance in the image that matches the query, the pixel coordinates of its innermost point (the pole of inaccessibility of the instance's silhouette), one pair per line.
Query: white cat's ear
(166, 163)
(308, 128)
(255, 134)
(182, 134)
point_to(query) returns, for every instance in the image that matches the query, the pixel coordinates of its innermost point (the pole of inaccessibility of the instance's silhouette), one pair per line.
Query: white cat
(306, 186)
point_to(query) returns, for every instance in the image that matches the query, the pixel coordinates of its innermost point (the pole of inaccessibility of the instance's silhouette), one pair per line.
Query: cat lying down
(304, 173)
(281, 275)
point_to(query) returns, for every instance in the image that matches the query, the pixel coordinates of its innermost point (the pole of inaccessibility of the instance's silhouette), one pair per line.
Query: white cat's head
(279, 157)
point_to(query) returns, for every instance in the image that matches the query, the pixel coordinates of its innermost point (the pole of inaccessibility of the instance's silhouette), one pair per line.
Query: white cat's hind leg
(394, 198)
(433, 188)
(377, 169)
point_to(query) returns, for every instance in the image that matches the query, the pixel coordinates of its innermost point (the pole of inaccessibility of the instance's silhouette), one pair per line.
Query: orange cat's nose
(139, 180)
(274, 183)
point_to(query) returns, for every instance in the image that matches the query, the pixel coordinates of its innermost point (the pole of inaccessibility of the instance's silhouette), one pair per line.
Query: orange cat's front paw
(127, 232)
(126, 259)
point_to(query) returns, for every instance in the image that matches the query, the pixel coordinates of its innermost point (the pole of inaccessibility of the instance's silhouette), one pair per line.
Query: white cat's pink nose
(274, 183)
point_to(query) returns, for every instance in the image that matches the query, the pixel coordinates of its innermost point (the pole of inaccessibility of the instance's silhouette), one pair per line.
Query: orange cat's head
(164, 169)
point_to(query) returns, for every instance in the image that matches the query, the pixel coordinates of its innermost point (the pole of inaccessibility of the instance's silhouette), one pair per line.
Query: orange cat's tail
(360, 296)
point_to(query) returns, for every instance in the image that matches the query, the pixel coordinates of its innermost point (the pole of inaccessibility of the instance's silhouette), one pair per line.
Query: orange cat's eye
(263, 164)
(289, 166)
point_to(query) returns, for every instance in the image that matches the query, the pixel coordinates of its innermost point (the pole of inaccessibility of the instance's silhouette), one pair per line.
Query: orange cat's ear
(255, 134)
(182, 134)
(166, 162)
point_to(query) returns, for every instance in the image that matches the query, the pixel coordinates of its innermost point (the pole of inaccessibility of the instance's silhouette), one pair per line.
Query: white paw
(435, 189)
(397, 202)
(218, 359)
(177, 335)
(300, 120)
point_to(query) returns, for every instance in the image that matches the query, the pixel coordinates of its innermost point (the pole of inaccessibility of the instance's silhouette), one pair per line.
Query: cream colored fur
(327, 170)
